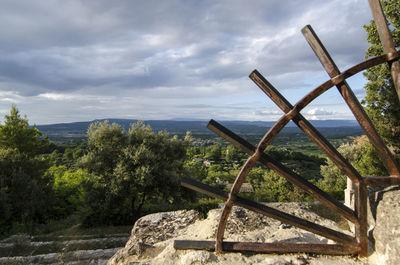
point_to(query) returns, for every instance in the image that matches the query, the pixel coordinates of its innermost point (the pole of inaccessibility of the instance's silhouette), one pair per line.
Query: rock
(199, 257)
(385, 208)
(150, 230)
(152, 238)
(284, 226)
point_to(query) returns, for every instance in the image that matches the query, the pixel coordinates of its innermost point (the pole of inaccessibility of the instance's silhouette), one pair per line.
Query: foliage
(381, 102)
(307, 166)
(129, 168)
(25, 189)
(233, 155)
(16, 134)
(68, 189)
(274, 188)
(196, 170)
(334, 181)
(213, 152)
(364, 159)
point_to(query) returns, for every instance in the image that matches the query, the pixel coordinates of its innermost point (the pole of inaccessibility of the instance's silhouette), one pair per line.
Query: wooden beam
(386, 40)
(352, 101)
(381, 181)
(306, 127)
(361, 198)
(272, 213)
(278, 248)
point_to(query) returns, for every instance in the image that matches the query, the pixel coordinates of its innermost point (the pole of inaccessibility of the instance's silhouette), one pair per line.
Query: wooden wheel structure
(345, 244)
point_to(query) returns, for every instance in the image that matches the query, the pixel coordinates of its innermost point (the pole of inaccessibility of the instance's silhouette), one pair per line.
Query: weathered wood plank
(271, 212)
(352, 101)
(386, 40)
(306, 127)
(278, 248)
(361, 197)
(300, 182)
(381, 181)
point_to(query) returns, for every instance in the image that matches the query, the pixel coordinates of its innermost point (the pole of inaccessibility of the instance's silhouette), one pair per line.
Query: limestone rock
(152, 229)
(385, 208)
(152, 238)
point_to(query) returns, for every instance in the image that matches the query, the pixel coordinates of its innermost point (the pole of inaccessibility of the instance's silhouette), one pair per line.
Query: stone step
(27, 248)
(76, 237)
(96, 256)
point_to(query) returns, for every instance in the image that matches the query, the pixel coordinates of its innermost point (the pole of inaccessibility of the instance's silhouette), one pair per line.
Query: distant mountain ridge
(165, 124)
(181, 126)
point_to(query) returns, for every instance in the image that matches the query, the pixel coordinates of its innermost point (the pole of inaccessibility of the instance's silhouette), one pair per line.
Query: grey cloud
(176, 48)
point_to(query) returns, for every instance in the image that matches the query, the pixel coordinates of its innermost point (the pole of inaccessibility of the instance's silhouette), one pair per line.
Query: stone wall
(384, 220)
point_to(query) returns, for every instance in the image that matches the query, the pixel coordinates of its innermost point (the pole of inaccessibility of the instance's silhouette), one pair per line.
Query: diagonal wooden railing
(346, 244)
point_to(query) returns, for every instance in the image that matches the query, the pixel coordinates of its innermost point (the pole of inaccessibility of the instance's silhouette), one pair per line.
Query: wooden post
(352, 101)
(386, 40)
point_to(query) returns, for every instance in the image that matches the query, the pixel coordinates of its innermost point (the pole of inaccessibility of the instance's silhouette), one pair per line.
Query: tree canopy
(381, 101)
(16, 133)
(128, 168)
(24, 186)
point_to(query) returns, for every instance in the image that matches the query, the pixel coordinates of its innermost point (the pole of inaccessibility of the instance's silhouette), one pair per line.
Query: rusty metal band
(280, 169)
(352, 101)
(272, 213)
(280, 248)
(295, 110)
(381, 181)
(306, 127)
(231, 198)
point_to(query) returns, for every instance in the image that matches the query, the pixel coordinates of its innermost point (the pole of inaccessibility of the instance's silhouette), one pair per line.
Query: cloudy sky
(79, 60)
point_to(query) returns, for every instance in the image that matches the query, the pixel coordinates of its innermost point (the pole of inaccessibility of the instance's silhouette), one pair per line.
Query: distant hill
(198, 127)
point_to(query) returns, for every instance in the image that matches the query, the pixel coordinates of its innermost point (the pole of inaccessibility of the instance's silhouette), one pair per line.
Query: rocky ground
(152, 238)
(82, 249)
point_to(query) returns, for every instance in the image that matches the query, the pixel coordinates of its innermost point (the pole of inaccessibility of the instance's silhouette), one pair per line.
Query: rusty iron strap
(272, 213)
(251, 161)
(352, 101)
(277, 248)
(361, 229)
(306, 127)
(381, 181)
(386, 40)
(307, 99)
(232, 197)
(280, 169)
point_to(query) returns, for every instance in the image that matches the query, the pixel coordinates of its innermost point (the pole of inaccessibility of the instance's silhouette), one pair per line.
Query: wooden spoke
(352, 101)
(292, 177)
(306, 127)
(386, 40)
(271, 212)
(278, 248)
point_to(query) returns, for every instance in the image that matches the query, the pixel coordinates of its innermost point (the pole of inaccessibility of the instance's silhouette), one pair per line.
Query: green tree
(275, 188)
(25, 189)
(16, 133)
(195, 170)
(381, 101)
(68, 189)
(364, 159)
(129, 169)
(213, 152)
(233, 155)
